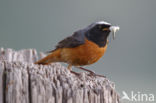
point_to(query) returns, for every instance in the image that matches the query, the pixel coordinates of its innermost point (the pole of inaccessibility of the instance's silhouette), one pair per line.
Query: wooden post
(21, 81)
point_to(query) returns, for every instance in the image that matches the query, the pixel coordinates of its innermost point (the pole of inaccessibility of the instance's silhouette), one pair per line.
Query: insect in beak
(113, 29)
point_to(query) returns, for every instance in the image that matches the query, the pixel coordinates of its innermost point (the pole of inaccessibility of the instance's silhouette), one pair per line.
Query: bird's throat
(100, 40)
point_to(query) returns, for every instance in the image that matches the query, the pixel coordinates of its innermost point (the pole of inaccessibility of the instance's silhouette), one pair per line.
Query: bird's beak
(113, 29)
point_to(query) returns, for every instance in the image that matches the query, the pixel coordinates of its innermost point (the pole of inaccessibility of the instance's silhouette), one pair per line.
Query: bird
(84, 47)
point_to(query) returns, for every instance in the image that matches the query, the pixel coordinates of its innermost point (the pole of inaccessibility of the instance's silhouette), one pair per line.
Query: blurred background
(130, 60)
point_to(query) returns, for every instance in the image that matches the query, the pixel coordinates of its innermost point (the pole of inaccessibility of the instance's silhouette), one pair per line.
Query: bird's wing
(75, 40)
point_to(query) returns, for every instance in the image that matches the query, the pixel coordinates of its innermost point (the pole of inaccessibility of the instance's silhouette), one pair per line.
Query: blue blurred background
(130, 60)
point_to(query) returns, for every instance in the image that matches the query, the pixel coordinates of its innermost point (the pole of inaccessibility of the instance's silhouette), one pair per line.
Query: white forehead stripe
(103, 22)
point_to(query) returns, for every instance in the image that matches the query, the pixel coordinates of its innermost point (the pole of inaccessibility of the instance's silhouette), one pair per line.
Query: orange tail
(53, 57)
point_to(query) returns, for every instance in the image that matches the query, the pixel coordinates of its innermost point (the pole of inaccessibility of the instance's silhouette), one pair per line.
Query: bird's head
(99, 31)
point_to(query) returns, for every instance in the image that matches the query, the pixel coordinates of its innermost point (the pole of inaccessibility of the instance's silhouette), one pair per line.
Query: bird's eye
(99, 26)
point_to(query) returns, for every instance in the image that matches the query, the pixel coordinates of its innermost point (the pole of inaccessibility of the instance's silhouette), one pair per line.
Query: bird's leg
(74, 72)
(92, 73)
(97, 75)
(70, 68)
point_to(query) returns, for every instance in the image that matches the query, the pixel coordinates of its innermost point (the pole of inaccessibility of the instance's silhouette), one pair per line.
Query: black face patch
(98, 35)
(101, 26)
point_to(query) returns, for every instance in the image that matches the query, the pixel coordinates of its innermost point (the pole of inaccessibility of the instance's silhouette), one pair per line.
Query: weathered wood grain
(21, 81)
(1, 81)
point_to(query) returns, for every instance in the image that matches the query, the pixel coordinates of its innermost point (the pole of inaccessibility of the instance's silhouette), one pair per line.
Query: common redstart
(86, 46)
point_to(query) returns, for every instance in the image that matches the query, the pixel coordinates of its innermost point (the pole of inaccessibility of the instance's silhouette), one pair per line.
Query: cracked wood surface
(21, 81)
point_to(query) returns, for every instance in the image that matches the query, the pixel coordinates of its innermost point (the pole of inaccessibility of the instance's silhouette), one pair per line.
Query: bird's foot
(74, 73)
(92, 73)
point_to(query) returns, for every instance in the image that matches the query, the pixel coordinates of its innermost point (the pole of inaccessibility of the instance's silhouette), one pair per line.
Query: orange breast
(85, 54)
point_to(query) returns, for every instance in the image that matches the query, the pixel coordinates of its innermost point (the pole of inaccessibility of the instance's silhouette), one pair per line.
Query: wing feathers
(75, 40)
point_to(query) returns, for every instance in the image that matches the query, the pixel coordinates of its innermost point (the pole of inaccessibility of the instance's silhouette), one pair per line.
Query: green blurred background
(130, 60)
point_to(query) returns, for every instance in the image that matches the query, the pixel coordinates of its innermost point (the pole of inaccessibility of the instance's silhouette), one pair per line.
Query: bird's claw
(93, 74)
(74, 73)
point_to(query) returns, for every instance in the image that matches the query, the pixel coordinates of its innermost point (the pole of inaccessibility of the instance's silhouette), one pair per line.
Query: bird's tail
(52, 57)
